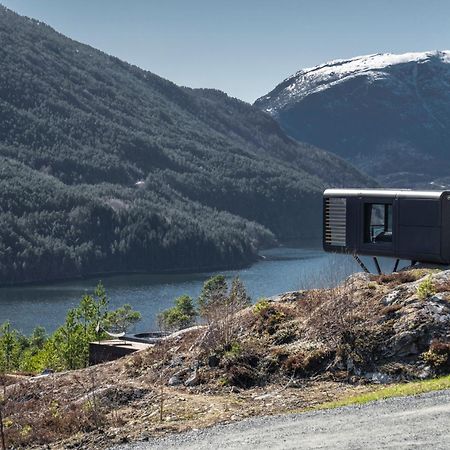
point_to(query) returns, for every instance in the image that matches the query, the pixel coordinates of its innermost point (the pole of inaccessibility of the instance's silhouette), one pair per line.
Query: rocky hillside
(387, 114)
(105, 167)
(298, 351)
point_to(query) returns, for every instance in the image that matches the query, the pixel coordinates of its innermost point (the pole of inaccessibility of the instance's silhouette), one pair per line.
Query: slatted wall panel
(335, 215)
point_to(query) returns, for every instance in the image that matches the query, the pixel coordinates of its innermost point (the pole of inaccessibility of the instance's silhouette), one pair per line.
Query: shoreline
(199, 269)
(150, 293)
(313, 244)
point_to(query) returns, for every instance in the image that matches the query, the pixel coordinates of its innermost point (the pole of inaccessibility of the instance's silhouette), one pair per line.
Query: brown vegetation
(309, 347)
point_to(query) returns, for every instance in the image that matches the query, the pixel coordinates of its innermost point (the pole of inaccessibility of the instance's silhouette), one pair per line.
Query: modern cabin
(402, 224)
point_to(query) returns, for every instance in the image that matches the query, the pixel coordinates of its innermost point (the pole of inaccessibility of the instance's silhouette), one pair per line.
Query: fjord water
(282, 269)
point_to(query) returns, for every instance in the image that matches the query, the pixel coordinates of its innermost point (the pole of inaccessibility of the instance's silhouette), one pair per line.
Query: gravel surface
(409, 422)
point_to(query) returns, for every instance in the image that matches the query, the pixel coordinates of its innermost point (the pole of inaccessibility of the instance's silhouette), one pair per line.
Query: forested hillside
(107, 167)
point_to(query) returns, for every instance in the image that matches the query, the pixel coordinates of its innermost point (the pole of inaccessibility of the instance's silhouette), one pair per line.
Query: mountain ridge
(379, 111)
(339, 69)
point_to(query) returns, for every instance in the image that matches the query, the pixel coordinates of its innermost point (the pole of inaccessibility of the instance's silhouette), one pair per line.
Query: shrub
(220, 308)
(68, 346)
(241, 362)
(233, 350)
(9, 347)
(308, 363)
(395, 279)
(426, 288)
(269, 316)
(242, 376)
(122, 318)
(223, 381)
(438, 356)
(285, 335)
(261, 306)
(182, 315)
(213, 294)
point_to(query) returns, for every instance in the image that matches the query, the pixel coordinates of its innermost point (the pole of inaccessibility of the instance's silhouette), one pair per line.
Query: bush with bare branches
(220, 307)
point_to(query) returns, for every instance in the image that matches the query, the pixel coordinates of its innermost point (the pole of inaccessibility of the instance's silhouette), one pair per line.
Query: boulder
(174, 380)
(193, 380)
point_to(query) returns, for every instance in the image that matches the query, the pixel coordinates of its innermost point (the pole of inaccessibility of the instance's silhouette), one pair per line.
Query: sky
(243, 47)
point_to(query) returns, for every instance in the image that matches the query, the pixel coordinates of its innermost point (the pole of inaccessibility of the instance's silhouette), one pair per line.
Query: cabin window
(377, 223)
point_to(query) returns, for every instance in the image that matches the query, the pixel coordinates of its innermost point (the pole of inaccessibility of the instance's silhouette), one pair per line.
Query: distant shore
(295, 243)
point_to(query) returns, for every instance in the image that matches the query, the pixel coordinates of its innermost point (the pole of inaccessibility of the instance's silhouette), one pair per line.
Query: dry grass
(66, 409)
(395, 279)
(34, 416)
(337, 317)
(276, 357)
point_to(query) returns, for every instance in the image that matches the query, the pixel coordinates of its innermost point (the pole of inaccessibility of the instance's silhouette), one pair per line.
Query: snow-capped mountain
(388, 114)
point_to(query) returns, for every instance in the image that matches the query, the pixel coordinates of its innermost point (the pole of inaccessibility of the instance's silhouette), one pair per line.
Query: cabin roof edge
(380, 192)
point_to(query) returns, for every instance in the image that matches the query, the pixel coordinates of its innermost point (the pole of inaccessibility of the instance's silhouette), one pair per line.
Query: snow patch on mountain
(315, 79)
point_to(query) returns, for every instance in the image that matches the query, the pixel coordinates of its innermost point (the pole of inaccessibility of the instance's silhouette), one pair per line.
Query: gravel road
(410, 422)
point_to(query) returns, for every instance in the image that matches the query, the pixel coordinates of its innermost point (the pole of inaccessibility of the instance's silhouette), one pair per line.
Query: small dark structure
(402, 224)
(109, 350)
(103, 351)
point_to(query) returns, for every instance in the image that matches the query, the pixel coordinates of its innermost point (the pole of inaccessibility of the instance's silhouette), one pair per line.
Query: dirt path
(409, 422)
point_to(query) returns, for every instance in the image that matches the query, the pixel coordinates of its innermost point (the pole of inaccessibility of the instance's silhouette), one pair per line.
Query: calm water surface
(283, 269)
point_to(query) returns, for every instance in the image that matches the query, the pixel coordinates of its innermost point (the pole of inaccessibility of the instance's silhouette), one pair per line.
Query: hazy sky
(244, 48)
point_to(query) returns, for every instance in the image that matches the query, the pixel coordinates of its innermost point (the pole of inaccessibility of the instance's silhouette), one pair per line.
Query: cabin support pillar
(396, 265)
(361, 264)
(375, 260)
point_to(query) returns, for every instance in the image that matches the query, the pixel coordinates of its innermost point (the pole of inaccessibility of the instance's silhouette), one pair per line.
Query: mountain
(105, 167)
(387, 114)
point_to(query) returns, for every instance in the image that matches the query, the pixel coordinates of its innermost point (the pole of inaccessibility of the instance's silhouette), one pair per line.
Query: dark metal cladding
(404, 224)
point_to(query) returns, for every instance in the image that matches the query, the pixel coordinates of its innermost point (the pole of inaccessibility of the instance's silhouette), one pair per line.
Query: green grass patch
(397, 390)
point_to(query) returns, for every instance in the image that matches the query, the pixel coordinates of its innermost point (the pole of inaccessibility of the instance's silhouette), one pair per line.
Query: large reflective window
(377, 222)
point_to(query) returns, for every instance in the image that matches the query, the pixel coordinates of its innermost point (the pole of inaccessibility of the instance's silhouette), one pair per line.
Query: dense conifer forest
(105, 167)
